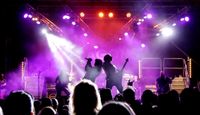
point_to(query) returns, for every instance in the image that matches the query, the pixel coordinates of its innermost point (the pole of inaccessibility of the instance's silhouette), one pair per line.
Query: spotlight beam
(62, 49)
(69, 59)
(57, 56)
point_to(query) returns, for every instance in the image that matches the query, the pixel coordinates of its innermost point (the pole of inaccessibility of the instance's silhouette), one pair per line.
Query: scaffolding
(178, 69)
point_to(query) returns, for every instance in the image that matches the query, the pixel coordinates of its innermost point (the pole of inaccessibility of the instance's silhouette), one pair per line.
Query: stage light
(120, 39)
(166, 32)
(82, 14)
(34, 19)
(101, 14)
(44, 31)
(187, 19)
(73, 23)
(128, 14)
(96, 47)
(174, 24)
(38, 22)
(126, 34)
(30, 16)
(85, 34)
(143, 45)
(66, 17)
(141, 20)
(158, 34)
(25, 15)
(138, 23)
(190, 66)
(110, 15)
(182, 19)
(149, 16)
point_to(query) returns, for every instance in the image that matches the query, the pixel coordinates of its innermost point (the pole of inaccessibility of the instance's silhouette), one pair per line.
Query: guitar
(119, 74)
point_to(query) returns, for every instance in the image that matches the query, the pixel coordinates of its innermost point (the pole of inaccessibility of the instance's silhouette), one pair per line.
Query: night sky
(14, 34)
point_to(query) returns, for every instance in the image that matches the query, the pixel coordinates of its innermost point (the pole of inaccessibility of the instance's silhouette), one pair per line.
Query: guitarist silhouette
(163, 84)
(113, 77)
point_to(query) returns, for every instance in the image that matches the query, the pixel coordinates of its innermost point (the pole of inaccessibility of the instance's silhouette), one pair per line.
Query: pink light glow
(182, 19)
(25, 15)
(187, 19)
(174, 24)
(30, 16)
(82, 14)
(128, 14)
(85, 34)
(126, 34)
(66, 17)
(73, 23)
(38, 22)
(143, 45)
(139, 23)
(96, 47)
(149, 16)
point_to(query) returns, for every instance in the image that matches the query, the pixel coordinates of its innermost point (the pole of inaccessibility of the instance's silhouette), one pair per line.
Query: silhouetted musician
(62, 81)
(92, 72)
(163, 84)
(113, 77)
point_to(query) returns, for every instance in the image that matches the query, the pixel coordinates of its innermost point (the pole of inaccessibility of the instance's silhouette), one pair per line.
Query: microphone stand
(39, 84)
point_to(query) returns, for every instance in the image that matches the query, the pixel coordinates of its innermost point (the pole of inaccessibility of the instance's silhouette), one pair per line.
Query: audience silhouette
(129, 97)
(48, 110)
(105, 94)
(85, 99)
(116, 108)
(19, 103)
(1, 111)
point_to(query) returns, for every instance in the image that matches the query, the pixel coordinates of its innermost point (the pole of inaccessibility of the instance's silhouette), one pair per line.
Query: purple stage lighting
(187, 19)
(34, 19)
(141, 20)
(120, 38)
(149, 16)
(139, 23)
(66, 17)
(30, 16)
(37, 22)
(96, 47)
(166, 32)
(25, 15)
(44, 31)
(73, 23)
(174, 24)
(143, 45)
(182, 19)
(126, 34)
(85, 34)
(158, 34)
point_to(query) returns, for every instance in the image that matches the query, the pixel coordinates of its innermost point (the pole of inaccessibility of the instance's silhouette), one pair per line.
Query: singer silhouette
(92, 72)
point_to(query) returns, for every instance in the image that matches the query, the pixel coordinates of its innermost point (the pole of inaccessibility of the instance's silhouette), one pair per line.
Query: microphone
(89, 59)
(130, 83)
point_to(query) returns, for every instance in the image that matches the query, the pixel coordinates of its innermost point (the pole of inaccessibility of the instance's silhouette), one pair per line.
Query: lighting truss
(43, 19)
